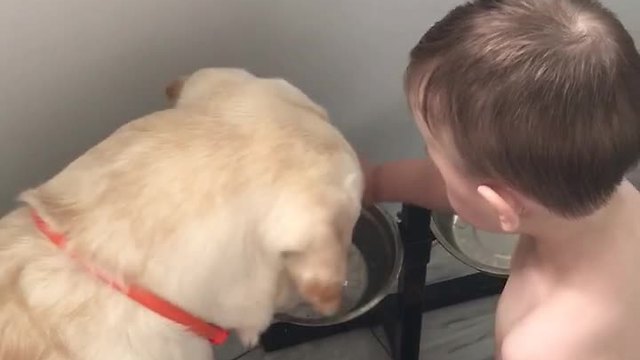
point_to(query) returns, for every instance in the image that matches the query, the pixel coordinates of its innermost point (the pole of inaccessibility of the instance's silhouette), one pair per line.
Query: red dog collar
(138, 294)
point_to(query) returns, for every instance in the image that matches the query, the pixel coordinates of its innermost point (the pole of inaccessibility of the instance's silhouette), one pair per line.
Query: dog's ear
(319, 270)
(173, 90)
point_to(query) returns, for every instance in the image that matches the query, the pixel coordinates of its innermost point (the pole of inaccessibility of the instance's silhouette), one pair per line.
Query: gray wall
(74, 70)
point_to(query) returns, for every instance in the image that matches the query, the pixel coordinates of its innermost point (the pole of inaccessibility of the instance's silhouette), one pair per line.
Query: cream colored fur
(219, 204)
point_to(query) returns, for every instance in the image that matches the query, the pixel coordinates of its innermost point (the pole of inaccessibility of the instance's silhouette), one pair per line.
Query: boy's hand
(412, 181)
(370, 176)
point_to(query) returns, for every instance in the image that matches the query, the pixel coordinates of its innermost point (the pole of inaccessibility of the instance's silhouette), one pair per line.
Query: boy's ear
(173, 89)
(506, 206)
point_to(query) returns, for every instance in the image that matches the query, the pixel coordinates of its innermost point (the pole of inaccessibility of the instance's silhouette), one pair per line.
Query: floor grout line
(380, 342)
(244, 354)
(247, 352)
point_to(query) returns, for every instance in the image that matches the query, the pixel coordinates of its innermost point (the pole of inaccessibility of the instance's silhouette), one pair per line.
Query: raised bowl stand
(399, 313)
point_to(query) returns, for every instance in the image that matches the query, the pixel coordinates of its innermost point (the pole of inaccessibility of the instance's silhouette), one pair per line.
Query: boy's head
(527, 102)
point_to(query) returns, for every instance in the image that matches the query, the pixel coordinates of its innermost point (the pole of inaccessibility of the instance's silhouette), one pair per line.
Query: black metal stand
(400, 313)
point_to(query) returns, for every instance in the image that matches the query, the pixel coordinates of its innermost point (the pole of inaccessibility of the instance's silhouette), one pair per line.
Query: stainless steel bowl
(374, 264)
(486, 252)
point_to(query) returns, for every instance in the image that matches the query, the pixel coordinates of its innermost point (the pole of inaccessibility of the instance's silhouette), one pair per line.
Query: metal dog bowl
(375, 259)
(487, 252)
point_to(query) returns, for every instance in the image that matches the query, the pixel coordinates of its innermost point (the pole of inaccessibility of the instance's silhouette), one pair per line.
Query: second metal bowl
(486, 252)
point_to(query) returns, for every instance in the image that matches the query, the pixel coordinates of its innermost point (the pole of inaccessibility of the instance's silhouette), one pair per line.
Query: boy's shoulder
(565, 326)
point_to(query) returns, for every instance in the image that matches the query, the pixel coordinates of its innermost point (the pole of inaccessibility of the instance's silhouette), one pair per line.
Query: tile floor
(461, 332)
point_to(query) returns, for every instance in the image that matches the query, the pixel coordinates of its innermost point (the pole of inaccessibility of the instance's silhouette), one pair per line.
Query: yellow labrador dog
(206, 213)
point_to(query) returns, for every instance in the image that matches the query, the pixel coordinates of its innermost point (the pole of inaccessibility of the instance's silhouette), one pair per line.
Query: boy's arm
(413, 181)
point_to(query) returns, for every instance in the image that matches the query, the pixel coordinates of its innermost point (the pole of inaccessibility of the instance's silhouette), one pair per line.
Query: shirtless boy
(530, 110)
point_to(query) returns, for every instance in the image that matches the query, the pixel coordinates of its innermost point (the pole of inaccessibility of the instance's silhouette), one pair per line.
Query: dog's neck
(136, 293)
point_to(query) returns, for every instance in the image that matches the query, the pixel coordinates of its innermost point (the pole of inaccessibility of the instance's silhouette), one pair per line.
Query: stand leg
(404, 325)
(461, 290)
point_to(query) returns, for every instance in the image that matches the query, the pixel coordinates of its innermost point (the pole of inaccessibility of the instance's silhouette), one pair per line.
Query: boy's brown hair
(541, 94)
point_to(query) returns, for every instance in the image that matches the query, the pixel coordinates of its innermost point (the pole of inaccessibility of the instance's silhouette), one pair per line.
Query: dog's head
(311, 233)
